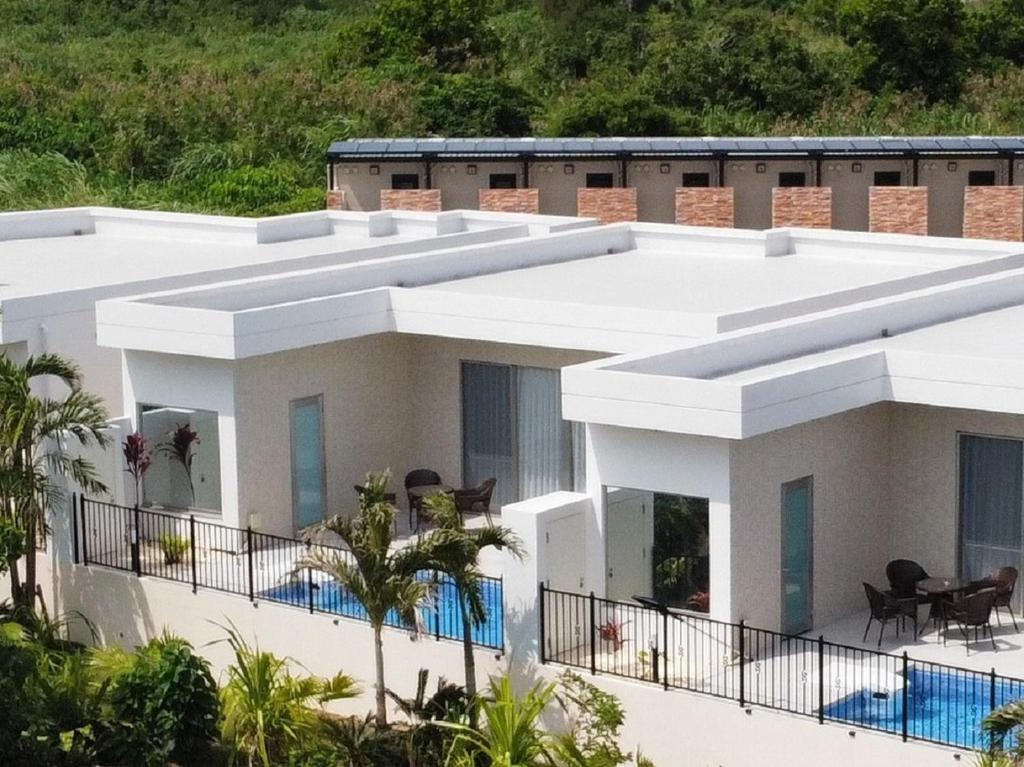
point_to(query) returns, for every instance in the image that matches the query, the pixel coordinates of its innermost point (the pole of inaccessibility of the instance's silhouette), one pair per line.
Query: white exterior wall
(390, 401)
(196, 383)
(848, 457)
(925, 479)
(666, 463)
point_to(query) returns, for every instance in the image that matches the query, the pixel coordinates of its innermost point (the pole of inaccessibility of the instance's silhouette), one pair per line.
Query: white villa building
(778, 414)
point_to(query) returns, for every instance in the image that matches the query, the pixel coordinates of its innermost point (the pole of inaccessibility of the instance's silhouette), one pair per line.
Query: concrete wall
(362, 189)
(460, 187)
(558, 187)
(850, 187)
(924, 477)
(848, 456)
(946, 190)
(390, 401)
(754, 190)
(656, 181)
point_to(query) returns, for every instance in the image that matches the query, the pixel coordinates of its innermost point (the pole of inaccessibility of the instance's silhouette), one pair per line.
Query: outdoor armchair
(476, 499)
(886, 607)
(903, 575)
(971, 612)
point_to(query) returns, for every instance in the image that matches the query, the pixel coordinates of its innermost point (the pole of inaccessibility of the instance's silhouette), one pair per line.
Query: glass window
(888, 178)
(503, 181)
(185, 470)
(600, 181)
(307, 448)
(405, 180)
(981, 178)
(696, 179)
(792, 179)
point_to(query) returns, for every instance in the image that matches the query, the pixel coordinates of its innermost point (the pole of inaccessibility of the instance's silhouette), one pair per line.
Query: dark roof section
(430, 148)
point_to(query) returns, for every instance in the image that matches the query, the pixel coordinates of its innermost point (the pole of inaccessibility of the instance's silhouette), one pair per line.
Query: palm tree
(384, 581)
(266, 709)
(456, 552)
(35, 437)
(1000, 724)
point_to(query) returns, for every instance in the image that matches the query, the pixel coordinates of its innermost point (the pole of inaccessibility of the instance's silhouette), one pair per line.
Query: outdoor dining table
(938, 589)
(418, 492)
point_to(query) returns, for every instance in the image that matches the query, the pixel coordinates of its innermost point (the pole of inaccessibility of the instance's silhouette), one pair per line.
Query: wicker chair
(476, 499)
(971, 612)
(419, 478)
(1004, 580)
(903, 575)
(884, 608)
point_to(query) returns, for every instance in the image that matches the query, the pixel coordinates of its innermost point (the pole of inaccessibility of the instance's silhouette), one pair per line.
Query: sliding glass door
(513, 430)
(991, 481)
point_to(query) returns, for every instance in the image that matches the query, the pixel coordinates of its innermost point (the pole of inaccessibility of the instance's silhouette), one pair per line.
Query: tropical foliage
(39, 438)
(229, 106)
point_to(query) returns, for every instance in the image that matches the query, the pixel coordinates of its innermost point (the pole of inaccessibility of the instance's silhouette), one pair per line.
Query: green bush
(161, 704)
(173, 548)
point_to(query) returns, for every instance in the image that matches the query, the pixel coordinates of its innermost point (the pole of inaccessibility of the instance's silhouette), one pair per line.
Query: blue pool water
(442, 617)
(943, 706)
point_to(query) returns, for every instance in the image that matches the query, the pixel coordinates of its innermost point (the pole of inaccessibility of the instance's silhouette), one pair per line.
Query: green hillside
(228, 105)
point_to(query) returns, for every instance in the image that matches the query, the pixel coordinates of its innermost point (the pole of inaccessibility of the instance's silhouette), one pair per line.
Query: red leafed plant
(137, 458)
(613, 632)
(179, 448)
(700, 600)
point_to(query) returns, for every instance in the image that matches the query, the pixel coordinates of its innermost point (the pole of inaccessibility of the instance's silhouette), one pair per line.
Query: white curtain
(991, 477)
(544, 459)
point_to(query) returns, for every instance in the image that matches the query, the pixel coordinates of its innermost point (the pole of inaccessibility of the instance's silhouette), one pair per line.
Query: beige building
(364, 174)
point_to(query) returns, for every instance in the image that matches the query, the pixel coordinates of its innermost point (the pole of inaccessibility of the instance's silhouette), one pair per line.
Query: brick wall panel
(335, 200)
(607, 205)
(706, 206)
(510, 200)
(994, 212)
(898, 209)
(802, 206)
(424, 200)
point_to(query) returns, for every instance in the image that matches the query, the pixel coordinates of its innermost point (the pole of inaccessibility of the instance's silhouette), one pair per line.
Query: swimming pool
(442, 617)
(944, 705)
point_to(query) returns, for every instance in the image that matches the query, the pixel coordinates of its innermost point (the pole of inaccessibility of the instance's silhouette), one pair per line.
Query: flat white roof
(59, 261)
(617, 288)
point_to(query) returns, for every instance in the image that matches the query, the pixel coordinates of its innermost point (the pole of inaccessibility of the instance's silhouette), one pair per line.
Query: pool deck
(1007, 659)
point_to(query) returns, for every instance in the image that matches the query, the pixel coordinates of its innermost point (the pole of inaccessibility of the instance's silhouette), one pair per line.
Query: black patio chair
(973, 611)
(903, 575)
(1004, 580)
(885, 607)
(476, 499)
(419, 478)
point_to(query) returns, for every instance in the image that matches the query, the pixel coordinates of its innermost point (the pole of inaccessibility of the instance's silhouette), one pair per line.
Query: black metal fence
(916, 700)
(257, 566)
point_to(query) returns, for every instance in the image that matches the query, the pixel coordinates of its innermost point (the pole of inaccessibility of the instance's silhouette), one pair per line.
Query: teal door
(308, 491)
(797, 555)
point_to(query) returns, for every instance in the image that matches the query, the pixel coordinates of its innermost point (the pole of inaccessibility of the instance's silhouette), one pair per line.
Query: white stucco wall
(390, 401)
(848, 457)
(666, 463)
(925, 479)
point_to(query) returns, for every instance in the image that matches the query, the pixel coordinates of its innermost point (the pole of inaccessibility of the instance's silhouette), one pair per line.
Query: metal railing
(255, 565)
(829, 682)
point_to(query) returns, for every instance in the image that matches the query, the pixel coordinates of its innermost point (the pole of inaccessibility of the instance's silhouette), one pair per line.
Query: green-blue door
(308, 496)
(797, 555)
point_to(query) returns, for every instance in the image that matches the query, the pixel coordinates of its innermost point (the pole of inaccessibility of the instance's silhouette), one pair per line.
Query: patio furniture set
(969, 604)
(420, 484)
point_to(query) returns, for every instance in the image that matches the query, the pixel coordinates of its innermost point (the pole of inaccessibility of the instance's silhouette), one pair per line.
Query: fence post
(743, 660)
(85, 535)
(821, 679)
(309, 586)
(248, 546)
(74, 528)
(593, 636)
(192, 544)
(543, 628)
(437, 610)
(992, 698)
(136, 561)
(906, 686)
(664, 647)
